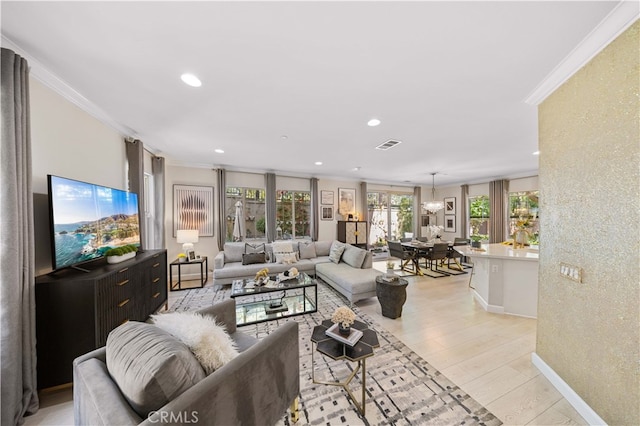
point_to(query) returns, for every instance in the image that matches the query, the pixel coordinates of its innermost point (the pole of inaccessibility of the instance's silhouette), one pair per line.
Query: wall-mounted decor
(424, 220)
(326, 197)
(193, 209)
(346, 201)
(450, 205)
(450, 223)
(327, 213)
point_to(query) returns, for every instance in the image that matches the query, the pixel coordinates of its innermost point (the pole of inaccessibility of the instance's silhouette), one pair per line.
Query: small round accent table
(391, 295)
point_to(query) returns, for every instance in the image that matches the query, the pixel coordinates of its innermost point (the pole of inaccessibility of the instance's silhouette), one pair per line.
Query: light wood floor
(487, 355)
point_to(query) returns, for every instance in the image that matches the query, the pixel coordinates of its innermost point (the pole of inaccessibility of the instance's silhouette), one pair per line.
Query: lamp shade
(187, 236)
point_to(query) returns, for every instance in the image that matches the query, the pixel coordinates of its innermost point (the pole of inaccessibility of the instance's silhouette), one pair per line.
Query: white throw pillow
(287, 258)
(337, 248)
(209, 341)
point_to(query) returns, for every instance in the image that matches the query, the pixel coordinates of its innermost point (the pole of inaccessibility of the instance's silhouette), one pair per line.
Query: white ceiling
(448, 79)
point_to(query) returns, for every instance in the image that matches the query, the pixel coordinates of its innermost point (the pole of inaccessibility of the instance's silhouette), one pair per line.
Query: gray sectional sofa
(353, 275)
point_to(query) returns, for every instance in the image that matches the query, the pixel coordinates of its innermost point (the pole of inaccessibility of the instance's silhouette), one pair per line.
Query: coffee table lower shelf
(260, 311)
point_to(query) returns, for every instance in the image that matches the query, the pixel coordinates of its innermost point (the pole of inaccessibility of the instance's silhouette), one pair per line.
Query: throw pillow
(353, 256)
(335, 253)
(209, 342)
(252, 258)
(150, 366)
(323, 248)
(307, 250)
(254, 248)
(287, 258)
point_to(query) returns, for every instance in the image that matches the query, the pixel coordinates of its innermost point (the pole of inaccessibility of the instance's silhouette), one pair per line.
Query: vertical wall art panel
(193, 209)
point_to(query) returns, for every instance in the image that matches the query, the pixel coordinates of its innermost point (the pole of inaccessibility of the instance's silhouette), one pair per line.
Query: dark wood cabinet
(75, 311)
(352, 232)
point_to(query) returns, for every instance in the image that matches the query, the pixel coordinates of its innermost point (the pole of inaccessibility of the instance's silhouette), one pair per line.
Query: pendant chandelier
(433, 206)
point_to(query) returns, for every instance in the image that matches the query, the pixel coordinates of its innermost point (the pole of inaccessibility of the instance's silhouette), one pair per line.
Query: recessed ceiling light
(284, 137)
(373, 122)
(356, 169)
(536, 153)
(318, 163)
(219, 151)
(191, 80)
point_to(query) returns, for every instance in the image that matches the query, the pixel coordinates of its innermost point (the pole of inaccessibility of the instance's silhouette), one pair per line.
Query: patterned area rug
(401, 387)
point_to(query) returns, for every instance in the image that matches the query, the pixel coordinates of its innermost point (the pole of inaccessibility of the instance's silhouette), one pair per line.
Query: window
(479, 213)
(253, 205)
(293, 209)
(523, 214)
(390, 216)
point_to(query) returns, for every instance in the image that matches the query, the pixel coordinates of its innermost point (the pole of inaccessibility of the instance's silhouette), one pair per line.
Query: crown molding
(617, 21)
(38, 71)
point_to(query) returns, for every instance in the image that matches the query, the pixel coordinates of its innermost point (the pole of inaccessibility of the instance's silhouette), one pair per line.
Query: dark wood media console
(75, 311)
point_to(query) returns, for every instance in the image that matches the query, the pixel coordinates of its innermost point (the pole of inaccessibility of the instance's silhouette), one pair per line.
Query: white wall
(179, 175)
(68, 142)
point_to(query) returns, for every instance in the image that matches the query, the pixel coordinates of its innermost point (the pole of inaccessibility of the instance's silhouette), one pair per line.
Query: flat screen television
(87, 220)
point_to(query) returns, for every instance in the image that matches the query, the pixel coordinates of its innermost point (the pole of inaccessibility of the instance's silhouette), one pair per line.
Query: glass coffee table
(337, 350)
(278, 299)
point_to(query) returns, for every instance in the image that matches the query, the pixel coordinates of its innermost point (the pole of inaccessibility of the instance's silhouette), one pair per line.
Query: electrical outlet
(494, 268)
(571, 272)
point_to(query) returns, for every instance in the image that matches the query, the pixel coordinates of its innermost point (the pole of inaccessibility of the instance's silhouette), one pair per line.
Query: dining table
(422, 248)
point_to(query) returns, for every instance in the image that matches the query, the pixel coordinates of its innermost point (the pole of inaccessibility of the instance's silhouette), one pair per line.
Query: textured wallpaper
(589, 332)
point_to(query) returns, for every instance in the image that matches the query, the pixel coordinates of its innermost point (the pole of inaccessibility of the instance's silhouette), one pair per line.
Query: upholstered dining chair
(436, 255)
(455, 255)
(406, 256)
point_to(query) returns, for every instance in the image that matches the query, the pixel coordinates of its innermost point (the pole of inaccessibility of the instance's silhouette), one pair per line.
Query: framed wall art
(327, 213)
(450, 205)
(193, 209)
(326, 197)
(346, 201)
(450, 223)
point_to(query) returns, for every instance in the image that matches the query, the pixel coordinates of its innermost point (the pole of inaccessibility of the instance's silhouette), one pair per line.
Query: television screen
(88, 219)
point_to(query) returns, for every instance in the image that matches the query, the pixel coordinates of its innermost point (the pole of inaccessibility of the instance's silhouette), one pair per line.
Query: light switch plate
(571, 272)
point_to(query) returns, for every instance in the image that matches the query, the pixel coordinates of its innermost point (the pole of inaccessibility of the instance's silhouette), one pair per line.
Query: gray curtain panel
(498, 199)
(315, 206)
(221, 174)
(464, 211)
(270, 205)
(157, 170)
(17, 280)
(135, 159)
(417, 209)
(363, 205)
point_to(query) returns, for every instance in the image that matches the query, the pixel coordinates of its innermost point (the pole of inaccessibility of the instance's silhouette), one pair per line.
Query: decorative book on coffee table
(351, 339)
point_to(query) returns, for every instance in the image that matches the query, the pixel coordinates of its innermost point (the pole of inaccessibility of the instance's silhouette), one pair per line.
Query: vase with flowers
(521, 233)
(345, 318)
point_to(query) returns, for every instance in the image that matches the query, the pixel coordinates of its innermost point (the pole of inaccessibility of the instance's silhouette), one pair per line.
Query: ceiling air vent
(388, 145)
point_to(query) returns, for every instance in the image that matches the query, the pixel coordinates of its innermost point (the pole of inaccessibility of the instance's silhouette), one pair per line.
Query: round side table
(391, 295)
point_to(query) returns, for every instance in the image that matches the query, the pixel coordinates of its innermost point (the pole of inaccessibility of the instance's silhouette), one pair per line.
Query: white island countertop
(499, 251)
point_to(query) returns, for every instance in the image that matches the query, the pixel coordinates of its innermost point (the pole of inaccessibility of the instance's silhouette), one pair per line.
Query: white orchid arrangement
(344, 316)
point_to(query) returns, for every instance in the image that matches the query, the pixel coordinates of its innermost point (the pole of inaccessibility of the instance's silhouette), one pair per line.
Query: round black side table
(391, 295)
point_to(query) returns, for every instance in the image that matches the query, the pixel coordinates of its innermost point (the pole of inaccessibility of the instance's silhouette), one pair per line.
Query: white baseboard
(495, 309)
(565, 390)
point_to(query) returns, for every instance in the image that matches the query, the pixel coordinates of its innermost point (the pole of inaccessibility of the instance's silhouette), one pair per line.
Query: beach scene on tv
(90, 219)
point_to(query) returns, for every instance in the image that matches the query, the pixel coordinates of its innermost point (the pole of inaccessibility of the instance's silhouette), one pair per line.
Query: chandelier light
(433, 206)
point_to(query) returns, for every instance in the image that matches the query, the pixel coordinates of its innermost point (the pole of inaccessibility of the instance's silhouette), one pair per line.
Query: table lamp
(187, 237)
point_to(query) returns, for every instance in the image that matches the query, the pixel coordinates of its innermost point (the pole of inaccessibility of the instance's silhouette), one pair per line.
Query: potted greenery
(120, 254)
(475, 241)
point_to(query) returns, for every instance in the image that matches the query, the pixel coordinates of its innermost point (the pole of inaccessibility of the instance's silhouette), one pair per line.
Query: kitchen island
(504, 279)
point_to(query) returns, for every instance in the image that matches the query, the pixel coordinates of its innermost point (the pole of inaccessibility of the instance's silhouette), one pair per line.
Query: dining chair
(457, 257)
(437, 254)
(405, 255)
